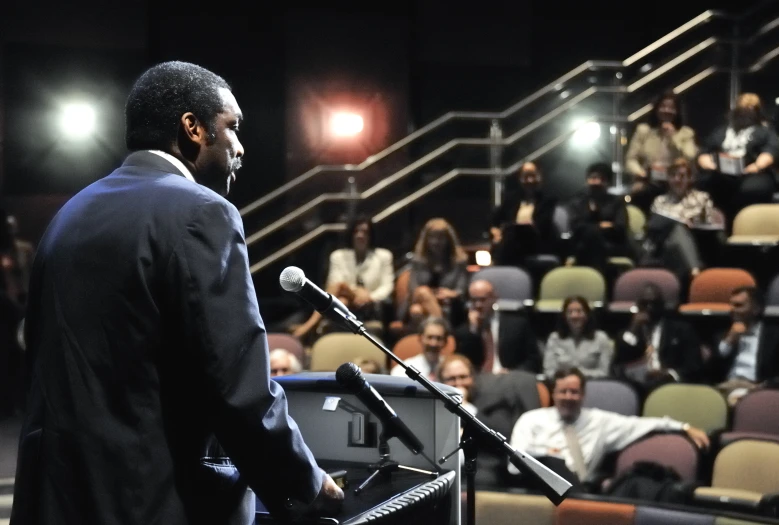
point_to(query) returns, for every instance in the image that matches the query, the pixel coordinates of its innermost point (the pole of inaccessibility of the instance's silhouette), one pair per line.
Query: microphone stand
(553, 485)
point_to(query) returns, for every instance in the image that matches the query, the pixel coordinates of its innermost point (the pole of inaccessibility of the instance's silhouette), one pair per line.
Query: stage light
(346, 124)
(586, 133)
(77, 120)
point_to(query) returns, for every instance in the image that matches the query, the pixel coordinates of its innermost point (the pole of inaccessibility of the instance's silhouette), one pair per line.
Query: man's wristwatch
(686, 427)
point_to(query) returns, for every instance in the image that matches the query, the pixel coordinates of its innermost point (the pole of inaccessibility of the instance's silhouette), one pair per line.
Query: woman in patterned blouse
(673, 214)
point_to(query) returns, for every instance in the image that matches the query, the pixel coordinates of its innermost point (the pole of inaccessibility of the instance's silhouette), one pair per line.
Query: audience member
(438, 277)
(599, 221)
(656, 348)
(524, 224)
(749, 351)
(496, 342)
(668, 238)
(433, 334)
(457, 371)
(655, 146)
(283, 362)
(369, 366)
(581, 437)
(360, 275)
(577, 342)
(739, 158)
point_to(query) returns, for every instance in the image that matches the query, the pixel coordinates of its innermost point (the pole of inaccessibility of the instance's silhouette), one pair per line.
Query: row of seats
(497, 508)
(708, 294)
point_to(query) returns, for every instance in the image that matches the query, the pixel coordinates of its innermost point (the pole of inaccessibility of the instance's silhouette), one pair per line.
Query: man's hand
(735, 332)
(329, 500)
(640, 319)
(474, 319)
(698, 437)
(752, 168)
(606, 224)
(496, 234)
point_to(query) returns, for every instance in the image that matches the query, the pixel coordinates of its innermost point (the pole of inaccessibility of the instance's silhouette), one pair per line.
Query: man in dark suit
(145, 339)
(524, 224)
(495, 342)
(599, 221)
(655, 348)
(747, 356)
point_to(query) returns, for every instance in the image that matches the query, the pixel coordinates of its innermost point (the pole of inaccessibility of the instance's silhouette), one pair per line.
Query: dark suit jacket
(500, 399)
(767, 355)
(610, 208)
(543, 213)
(145, 342)
(517, 344)
(680, 350)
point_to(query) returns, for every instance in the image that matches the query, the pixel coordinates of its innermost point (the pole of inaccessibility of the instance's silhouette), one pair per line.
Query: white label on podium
(331, 403)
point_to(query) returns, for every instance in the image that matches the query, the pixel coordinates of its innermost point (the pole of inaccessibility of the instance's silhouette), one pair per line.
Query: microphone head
(292, 279)
(349, 376)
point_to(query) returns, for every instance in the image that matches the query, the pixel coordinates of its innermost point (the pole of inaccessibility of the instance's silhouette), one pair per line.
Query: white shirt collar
(176, 162)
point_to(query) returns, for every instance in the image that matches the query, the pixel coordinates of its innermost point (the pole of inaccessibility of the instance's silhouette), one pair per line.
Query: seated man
(283, 363)
(496, 342)
(656, 349)
(599, 221)
(581, 437)
(748, 354)
(433, 333)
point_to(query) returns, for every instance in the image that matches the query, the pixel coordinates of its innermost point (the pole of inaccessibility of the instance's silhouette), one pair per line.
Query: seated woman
(577, 342)
(361, 276)
(654, 146)
(739, 159)
(439, 276)
(533, 212)
(669, 239)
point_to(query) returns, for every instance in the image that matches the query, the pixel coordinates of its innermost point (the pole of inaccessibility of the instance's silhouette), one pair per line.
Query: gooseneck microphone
(350, 377)
(294, 280)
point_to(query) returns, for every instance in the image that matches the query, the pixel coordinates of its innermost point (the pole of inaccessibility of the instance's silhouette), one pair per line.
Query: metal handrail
(441, 150)
(455, 115)
(456, 172)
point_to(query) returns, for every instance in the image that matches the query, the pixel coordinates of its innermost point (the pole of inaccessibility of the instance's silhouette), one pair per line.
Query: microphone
(293, 279)
(350, 377)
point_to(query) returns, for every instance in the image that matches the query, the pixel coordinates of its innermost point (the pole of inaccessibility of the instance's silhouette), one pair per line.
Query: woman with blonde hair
(739, 158)
(439, 277)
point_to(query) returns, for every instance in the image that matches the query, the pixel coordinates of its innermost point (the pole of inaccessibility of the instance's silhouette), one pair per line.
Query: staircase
(459, 164)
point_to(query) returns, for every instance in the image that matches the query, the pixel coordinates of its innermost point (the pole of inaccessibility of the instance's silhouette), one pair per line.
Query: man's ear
(192, 129)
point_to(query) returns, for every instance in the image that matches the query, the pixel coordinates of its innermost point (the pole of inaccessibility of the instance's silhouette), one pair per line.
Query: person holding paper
(739, 158)
(669, 238)
(655, 145)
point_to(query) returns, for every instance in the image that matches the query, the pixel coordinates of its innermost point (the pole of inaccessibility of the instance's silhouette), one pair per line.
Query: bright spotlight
(586, 133)
(346, 124)
(77, 120)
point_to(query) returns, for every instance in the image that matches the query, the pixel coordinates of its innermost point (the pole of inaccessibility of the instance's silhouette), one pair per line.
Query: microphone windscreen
(292, 279)
(349, 375)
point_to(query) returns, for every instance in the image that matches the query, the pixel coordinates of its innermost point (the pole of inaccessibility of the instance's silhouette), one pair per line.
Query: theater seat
(499, 508)
(581, 512)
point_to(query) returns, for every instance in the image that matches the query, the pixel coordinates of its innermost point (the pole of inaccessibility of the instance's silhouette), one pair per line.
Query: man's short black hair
(603, 169)
(161, 95)
(754, 294)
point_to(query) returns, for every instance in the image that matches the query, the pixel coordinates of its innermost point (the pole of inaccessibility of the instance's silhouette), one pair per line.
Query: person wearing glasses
(674, 214)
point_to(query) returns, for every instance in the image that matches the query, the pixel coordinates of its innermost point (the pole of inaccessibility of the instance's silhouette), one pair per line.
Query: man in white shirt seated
(581, 437)
(433, 334)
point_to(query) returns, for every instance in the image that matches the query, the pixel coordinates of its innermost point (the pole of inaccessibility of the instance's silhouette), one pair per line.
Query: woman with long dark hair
(654, 147)
(577, 342)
